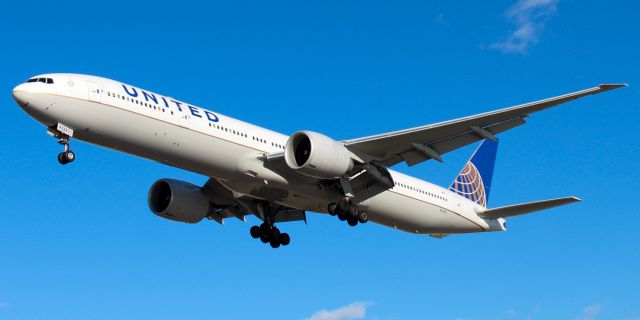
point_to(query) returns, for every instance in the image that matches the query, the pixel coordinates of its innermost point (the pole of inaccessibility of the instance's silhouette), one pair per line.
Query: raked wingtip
(613, 85)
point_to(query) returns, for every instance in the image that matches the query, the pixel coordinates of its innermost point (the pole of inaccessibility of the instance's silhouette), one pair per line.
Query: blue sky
(78, 242)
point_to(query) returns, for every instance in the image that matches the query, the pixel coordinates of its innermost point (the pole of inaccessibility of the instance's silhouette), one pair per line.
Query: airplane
(279, 178)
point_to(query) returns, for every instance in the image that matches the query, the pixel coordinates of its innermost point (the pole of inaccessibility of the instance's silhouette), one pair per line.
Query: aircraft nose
(21, 94)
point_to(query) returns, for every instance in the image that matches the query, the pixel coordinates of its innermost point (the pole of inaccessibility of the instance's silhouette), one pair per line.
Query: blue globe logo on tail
(469, 185)
(474, 180)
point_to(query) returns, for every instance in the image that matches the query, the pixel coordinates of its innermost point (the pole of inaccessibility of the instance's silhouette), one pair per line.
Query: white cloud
(355, 310)
(509, 314)
(534, 311)
(590, 312)
(529, 18)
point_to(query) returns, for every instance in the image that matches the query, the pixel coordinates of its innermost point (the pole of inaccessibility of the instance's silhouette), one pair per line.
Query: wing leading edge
(419, 144)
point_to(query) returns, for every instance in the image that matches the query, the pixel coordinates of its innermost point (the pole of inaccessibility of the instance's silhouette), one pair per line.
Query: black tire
(342, 216)
(274, 243)
(255, 232)
(264, 229)
(62, 159)
(275, 233)
(265, 233)
(354, 211)
(284, 239)
(352, 221)
(363, 217)
(343, 205)
(69, 156)
(332, 208)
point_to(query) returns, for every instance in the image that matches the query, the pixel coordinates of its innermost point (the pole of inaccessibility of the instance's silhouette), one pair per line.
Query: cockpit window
(43, 80)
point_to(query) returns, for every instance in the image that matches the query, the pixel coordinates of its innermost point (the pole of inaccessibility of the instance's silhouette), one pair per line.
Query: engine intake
(317, 155)
(178, 200)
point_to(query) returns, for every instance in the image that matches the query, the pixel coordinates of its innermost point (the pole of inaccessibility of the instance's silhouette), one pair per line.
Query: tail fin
(474, 180)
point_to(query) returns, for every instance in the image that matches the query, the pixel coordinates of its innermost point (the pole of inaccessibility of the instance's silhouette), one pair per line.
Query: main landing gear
(345, 210)
(269, 233)
(66, 156)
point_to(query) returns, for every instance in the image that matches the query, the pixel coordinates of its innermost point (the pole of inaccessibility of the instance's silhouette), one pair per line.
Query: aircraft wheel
(352, 221)
(275, 234)
(285, 239)
(62, 159)
(342, 216)
(264, 229)
(354, 211)
(69, 156)
(363, 217)
(332, 208)
(255, 232)
(274, 243)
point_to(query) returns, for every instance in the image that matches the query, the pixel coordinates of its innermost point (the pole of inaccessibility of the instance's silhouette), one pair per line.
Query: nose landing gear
(63, 134)
(66, 156)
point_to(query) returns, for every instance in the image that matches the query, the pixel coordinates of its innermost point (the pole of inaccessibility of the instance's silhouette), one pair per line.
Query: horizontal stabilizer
(524, 208)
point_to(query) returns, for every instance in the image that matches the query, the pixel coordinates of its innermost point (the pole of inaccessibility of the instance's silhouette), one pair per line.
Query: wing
(431, 141)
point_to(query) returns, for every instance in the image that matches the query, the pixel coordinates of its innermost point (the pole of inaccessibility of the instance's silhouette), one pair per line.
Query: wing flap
(291, 215)
(524, 208)
(229, 204)
(413, 156)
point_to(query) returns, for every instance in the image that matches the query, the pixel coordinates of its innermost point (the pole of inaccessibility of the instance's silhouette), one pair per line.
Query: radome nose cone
(20, 95)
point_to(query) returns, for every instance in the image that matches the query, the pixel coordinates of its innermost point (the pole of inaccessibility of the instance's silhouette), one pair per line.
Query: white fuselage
(128, 119)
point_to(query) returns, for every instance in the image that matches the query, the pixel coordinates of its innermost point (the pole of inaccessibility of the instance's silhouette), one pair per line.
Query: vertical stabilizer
(474, 180)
